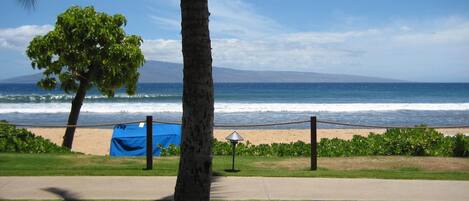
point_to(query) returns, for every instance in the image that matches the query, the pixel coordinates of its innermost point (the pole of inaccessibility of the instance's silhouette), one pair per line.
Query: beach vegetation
(20, 140)
(86, 49)
(419, 141)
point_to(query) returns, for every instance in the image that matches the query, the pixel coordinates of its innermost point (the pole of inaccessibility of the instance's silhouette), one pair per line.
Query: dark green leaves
(90, 46)
(17, 140)
(419, 141)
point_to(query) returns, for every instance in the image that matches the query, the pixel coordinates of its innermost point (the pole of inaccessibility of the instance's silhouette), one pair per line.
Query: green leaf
(87, 46)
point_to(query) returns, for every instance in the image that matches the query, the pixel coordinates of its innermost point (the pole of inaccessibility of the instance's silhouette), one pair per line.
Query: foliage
(276, 149)
(13, 139)
(419, 141)
(461, 146)
(171, 150)
(87, 46)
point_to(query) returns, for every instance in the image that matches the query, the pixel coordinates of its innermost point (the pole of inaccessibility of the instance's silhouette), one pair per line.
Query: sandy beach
(97, 141)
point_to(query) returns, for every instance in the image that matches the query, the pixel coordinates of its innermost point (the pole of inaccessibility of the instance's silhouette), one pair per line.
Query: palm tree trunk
(74, 113)
(195, 166)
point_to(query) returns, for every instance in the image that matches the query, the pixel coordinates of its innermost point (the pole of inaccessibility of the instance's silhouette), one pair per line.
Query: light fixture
(234, 138)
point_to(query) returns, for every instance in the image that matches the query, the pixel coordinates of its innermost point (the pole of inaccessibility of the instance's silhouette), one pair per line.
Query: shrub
(461, 146)
(13, 139)
(419, 141)
(171, 150)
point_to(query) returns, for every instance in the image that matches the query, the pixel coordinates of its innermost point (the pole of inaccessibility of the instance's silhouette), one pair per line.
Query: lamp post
(234, 138)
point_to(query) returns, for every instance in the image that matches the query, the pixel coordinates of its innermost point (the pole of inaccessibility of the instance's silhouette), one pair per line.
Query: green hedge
(13, 139)
(420, 141)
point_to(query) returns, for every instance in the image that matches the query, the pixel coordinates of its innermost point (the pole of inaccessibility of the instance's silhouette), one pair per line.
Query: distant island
(166, 72)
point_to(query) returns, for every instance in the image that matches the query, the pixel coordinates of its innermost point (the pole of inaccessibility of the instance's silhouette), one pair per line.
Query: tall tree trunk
(195, 165)
(74, 113)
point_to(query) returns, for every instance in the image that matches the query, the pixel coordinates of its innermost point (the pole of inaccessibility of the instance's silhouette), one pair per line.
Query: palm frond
(28, 4)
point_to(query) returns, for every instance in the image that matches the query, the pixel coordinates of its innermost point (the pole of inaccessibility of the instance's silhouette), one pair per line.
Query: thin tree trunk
(74, 113)
(195, 166)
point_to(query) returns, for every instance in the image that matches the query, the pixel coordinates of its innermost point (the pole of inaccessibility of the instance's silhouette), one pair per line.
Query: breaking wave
(223, 107)
(64, 98)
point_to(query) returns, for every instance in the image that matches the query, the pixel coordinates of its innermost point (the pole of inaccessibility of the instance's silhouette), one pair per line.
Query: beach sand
(96, 141)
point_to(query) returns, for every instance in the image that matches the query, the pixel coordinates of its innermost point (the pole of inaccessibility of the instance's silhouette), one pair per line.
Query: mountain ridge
(166, 72)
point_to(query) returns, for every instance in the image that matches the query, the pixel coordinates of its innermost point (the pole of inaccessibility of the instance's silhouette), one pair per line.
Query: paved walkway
(232, 188)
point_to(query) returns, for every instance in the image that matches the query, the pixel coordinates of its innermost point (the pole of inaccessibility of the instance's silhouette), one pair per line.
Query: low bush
(419, 141)
(171, 150)
(461, 146)
(276, 149)
(13, 139)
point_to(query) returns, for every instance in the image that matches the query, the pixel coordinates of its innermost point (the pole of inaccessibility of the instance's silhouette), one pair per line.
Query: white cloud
(417, 53)
(327, 37)
(266, 54)
(405, 28)
(167, 22)
(455, 34)
(244, 39)
(277, 54)
(19, 37)
(405, 48)
(239, 19)
(228, 19)
(163, 50)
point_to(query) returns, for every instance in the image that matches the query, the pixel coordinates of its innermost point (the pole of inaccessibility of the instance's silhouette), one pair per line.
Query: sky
(418, 40)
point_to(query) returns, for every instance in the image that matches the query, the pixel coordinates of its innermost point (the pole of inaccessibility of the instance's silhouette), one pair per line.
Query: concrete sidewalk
(232, 188)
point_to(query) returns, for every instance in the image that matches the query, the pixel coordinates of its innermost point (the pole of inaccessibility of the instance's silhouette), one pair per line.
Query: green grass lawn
(12, 164)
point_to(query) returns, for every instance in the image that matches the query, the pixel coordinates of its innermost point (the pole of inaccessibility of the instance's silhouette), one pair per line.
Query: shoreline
(97, 141)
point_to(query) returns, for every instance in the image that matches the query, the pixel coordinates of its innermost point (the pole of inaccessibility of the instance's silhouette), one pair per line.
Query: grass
(390, 167)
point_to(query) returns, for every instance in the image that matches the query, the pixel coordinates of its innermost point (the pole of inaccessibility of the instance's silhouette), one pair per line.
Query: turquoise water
(373, 103)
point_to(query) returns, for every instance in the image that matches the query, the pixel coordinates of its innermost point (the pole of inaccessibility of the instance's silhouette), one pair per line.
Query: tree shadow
(72, 196)
(213, 190)
(215, 174)
(168, 198)
(64, 194)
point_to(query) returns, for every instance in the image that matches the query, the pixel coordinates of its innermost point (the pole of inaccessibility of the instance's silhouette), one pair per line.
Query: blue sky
(418, 40)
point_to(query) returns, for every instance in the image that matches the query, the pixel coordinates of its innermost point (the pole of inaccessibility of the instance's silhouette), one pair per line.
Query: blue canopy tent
(130, 139)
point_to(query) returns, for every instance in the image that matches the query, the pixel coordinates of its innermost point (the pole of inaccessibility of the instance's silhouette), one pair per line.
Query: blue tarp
(130, 139)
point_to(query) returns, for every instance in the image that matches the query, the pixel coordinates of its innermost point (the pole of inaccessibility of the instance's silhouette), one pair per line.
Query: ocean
(399, 104)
